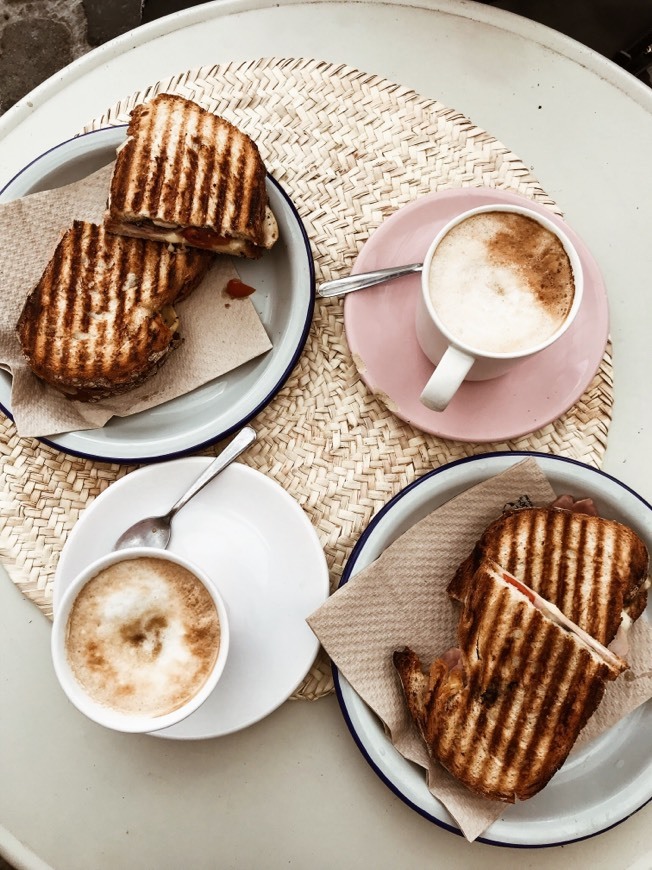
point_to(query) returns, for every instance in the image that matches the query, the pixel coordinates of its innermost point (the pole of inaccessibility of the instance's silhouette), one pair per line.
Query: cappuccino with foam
(143, 636)
(500, 282)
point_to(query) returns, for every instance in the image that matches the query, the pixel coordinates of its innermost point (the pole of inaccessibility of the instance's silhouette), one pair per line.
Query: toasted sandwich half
(502, 711)
(100, 320)
(187, 176)
(595, 570)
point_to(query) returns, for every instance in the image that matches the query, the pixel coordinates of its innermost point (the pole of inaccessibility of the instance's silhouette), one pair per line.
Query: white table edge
(508, 21)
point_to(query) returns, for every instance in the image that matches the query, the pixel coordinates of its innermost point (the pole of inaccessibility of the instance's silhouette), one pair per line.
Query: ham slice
(578, 506)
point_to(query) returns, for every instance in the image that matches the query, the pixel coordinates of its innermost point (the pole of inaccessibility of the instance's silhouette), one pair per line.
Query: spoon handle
(340, 286)
(238, 445)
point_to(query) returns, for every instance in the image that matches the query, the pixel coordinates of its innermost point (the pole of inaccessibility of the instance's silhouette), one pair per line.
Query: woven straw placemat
(350, 148)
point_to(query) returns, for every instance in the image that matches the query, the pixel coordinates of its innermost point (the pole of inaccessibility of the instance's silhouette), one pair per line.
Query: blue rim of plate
(346, 576)
(223, 433)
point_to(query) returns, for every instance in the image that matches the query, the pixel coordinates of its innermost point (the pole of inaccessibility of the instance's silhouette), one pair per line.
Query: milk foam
(501, 282)
(143, 636)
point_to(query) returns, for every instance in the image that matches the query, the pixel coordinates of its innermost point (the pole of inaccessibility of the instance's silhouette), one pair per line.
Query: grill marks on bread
(505, 719)
(592, 568)
(94, 325)
(519, 709)
(502, 712)
(182, 166)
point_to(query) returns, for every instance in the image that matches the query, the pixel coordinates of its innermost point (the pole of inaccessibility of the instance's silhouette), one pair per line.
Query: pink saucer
(379, 325)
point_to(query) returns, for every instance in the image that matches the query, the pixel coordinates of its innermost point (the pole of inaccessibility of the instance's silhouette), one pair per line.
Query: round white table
(293, 790)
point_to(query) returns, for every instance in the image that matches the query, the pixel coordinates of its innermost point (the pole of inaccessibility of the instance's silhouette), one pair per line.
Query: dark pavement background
(39, 37)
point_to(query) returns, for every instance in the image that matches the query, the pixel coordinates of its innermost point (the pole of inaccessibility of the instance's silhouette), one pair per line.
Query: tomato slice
(202, 237)
(508, 578)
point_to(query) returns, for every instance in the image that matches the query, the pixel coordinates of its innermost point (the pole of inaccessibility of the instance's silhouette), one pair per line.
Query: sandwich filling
(197, 237)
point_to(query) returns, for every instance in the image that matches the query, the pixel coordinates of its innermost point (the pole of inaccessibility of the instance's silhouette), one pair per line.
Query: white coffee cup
(81, 696)
(455, 359)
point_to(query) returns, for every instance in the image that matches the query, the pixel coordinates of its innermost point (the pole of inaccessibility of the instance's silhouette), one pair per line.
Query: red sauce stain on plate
(237, 289)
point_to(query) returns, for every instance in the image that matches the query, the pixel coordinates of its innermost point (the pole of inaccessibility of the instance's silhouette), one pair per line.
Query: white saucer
(258, 545)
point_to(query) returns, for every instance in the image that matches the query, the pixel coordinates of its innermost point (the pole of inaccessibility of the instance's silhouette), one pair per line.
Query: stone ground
(39, 37)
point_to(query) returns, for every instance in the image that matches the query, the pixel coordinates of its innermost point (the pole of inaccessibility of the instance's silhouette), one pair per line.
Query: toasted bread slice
(502, 712)
(187, 176)
(595, 570)
(101, 318)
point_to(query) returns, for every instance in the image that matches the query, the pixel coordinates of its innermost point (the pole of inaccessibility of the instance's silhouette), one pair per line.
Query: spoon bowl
(156, 531)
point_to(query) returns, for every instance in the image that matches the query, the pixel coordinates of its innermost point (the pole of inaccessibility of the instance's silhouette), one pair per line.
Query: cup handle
(446, 379)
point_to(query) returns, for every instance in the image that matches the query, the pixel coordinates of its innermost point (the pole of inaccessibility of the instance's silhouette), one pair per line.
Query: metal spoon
(340, 286)
(156, 531)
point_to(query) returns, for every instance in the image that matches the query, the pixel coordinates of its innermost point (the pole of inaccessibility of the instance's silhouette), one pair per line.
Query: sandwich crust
(100, 320)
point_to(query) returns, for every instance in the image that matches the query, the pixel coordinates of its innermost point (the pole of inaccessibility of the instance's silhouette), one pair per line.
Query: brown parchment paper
(219, 333)
(401, 599)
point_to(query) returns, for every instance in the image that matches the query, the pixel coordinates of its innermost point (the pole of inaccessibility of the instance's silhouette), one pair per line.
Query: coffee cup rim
(77, 695)
(545, 221)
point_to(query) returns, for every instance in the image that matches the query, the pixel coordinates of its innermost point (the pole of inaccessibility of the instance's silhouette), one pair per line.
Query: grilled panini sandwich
(595, 570)
(185, 175)
(502, 712)
(100, 320)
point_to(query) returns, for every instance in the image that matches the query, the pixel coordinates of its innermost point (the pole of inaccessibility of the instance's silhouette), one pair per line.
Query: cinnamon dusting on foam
(501, 282)
(143, 636)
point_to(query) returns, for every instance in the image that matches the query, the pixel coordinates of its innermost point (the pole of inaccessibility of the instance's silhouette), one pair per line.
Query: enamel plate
(600, 785)
(257, 544)
(284, 300)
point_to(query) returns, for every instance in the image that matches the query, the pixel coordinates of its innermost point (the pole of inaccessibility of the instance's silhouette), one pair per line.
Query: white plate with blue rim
(284, 299)
(601, 784)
